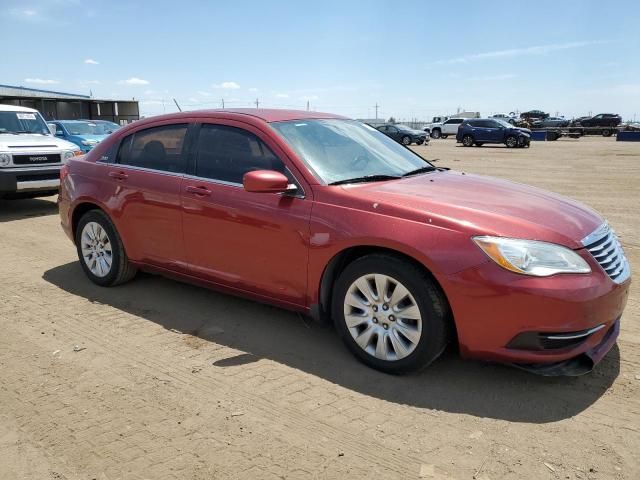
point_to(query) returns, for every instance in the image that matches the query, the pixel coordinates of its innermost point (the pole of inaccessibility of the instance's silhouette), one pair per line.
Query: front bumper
(18, 180)
(492, 307)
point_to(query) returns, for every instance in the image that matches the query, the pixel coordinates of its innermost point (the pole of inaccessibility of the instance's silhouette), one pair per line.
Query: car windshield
(503, 123)
(337, 150)
(82, 128)
(22, 122)
(106, 128)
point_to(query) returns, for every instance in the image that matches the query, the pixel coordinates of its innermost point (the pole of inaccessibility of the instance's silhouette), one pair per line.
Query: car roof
(15, 108)
(268, 115)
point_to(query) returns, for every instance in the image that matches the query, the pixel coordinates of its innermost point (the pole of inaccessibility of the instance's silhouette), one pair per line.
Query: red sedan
(325, 215)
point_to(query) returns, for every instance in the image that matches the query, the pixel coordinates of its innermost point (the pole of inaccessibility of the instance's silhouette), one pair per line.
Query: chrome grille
(604, 246)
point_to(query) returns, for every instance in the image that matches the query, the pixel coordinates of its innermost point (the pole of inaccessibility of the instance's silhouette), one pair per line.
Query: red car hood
(484, 206)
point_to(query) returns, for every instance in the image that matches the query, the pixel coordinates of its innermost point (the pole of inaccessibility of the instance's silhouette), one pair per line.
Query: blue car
(478, 131)
(83, 133)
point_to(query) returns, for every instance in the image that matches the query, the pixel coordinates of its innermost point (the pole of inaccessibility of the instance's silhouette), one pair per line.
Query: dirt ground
(161, 380)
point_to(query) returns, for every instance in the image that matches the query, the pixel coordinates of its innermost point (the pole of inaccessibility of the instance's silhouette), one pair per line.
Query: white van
(30, 155)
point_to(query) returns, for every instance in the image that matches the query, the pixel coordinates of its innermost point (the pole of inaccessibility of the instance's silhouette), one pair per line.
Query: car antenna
(176, 102)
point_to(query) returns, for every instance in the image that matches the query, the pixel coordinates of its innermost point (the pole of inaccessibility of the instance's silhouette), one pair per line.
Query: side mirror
(265, 181)
(52, 129)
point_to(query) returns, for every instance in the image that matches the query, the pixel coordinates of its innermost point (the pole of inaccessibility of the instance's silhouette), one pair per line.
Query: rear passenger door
(450, 127)
(143, 191)
(252, 242)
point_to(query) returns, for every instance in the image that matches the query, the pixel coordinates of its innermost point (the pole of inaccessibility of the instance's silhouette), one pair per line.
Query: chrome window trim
(141, 169)
(298, 192)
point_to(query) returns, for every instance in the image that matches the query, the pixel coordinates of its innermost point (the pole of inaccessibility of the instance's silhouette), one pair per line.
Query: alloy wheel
(383, 317)
(96, 249)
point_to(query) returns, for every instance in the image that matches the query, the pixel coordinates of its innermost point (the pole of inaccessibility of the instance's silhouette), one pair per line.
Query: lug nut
(385, 326)
(392, 318)
(385, 307)
(375, 320)
(375, 308)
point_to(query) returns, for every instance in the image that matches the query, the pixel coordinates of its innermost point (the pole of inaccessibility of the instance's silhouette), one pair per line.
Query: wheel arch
(82, 208)
(335, 266)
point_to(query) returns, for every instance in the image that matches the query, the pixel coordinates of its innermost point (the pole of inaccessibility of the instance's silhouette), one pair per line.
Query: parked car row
(404, 134)
(86, 134)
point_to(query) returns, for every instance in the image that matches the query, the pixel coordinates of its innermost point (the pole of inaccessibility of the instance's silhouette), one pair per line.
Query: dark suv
(404, 134)
(478, 131)
(600, 120)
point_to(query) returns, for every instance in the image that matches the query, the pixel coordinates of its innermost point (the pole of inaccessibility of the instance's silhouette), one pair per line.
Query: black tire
(511, 141)
(444, 136)
(436, 133)
(419, 142)
(121, 270)
(406, 140)
(431, 302)
(606, 132)
(467, 141)
(479, 144)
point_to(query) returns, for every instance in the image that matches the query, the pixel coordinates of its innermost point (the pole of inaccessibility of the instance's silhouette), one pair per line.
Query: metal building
(70, 106)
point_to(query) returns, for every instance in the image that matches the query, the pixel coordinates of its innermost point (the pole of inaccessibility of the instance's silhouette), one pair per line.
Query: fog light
(5, 159)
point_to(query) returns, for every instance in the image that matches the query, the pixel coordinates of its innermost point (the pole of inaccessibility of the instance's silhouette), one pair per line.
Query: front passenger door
(251, 242)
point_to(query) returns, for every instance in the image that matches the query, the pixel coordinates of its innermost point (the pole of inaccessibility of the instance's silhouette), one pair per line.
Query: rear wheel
(101, 251)
(467, 141)
(606, 132)
(435, 133)
(390, 313)
(511, 141)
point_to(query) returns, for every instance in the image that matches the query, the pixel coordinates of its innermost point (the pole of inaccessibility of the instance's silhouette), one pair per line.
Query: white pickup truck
(30, 155)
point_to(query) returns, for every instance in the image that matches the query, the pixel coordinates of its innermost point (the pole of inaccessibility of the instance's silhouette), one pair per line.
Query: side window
(392, 129)
(59, 130)
(157, 148)
(227, 153)
(454, 121)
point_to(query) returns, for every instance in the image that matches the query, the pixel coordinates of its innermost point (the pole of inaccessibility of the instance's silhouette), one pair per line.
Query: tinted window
(227, 153)
(473, 123)
(158, 148)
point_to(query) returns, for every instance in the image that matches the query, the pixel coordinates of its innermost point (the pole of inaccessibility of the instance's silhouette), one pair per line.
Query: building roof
(18, 91)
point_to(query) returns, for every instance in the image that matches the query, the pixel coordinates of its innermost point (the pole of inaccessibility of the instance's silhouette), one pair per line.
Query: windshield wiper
(428, 168)
(366, 178)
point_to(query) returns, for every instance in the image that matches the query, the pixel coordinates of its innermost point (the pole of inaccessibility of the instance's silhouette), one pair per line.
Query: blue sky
(414, 59)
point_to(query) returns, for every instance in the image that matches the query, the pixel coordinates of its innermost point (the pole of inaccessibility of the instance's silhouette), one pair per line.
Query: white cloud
(91, 61)
(491, 78)
(227, 85)
(518, 52)
(282, 95)
(29, 13)
(134, 81)
(253, 89)
(41, 81)
(203, 93)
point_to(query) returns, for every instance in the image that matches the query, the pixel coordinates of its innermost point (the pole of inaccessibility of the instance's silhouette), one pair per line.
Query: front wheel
(511, 141)
(444, 136)
(606, 132)
(419, 142)
(101, 251)
(390, 313)
(406, 140)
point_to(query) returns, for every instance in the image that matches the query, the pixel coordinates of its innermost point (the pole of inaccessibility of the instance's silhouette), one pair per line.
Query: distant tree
(391, 120)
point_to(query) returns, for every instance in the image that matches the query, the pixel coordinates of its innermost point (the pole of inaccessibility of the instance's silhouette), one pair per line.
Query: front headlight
(531, 257)
(5, 159)
(68, 155)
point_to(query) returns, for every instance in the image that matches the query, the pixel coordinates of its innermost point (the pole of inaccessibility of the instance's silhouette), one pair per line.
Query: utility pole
(307, 105)
(222, 103)
(376, 107)
(257, 103)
